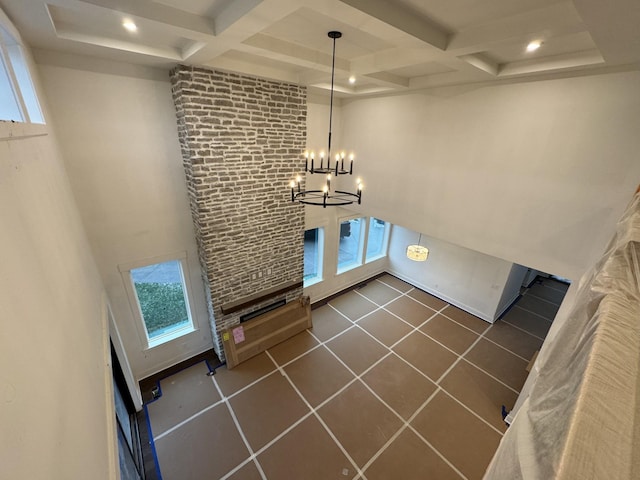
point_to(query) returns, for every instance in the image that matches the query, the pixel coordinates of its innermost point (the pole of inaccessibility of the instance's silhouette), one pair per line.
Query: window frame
(134, 302)
(319, 257)
(18, 68)
(385, 240)
(361, 243)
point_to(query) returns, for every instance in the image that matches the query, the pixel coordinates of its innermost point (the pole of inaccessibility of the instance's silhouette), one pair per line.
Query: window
(18, 98)
(160, 299)
(9, 109)
(313, 255)
(350, 244)
(25, 85)
(377, 240)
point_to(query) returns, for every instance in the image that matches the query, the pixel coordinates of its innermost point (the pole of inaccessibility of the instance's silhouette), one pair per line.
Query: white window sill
(348, 268)
(169, 336)
(311, 281)
(20, 130)
(377, 257)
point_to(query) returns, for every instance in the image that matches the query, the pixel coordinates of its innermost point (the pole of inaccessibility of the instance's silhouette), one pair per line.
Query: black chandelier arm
(324, 199)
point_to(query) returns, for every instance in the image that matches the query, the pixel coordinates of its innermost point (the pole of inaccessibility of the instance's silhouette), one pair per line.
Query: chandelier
(417, 253)
(326, 196)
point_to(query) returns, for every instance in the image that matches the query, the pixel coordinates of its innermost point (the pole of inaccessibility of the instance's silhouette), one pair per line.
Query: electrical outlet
(268, 271)
(260, 274)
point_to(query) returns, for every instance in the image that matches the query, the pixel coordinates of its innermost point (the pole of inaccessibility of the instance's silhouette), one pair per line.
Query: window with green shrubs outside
(162, 300)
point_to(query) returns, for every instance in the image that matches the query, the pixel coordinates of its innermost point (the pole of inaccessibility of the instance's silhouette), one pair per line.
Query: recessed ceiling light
(352, 79)
(533, 46)
(129, 25)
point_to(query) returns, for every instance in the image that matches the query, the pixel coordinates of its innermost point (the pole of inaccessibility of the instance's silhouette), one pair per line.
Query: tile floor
(391, 383)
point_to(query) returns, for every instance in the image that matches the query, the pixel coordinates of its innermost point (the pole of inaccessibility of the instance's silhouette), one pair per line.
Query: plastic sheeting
(582, 417)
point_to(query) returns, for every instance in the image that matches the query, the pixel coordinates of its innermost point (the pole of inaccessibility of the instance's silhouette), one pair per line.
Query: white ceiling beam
(284, 51)
(403, 19)
(613, 27)
(253, 22)
(393, 58)
(555, 20)
(232, 13)
(481, 62)
(156, 12)
(68, 33)
(388, 79)
(551, 64)
(250, 68)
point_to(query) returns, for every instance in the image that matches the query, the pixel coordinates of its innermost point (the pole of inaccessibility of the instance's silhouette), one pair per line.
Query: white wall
(117, 129)
(57, 415)
(468, 279)
(536, 173)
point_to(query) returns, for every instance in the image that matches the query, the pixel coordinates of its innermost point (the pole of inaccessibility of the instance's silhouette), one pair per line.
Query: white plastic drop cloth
(581, 420)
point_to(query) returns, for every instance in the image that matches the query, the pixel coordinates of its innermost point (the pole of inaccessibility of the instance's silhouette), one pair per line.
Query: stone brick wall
(241, 139)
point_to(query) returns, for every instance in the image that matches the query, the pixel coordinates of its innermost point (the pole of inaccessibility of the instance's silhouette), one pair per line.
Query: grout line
(537, 297)
(393, 437)
(356, 325)
(437, 385)
(533, 313)
(505, 348)
(378, 304)
(391, 286)
(443, 313)
(548, 285)
(358, 377)
(239, 391)
(462, 324)
(521, 329)
(419, 435)
(492, 376)
(187, 420)
(476, 341)
(266, 446)
(240, 431)
(503, 320)
(405, 422)
(407, 425)
(315, 413)
(439, 342)
(315, 347)
(472, 412)
(236, 468)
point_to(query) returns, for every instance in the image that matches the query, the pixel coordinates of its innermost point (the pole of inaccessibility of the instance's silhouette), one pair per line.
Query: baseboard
(444, 297)
(359, 283)
(147, 383)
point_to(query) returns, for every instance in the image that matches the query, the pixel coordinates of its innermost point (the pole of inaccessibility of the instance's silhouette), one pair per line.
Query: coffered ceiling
(387, 45)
